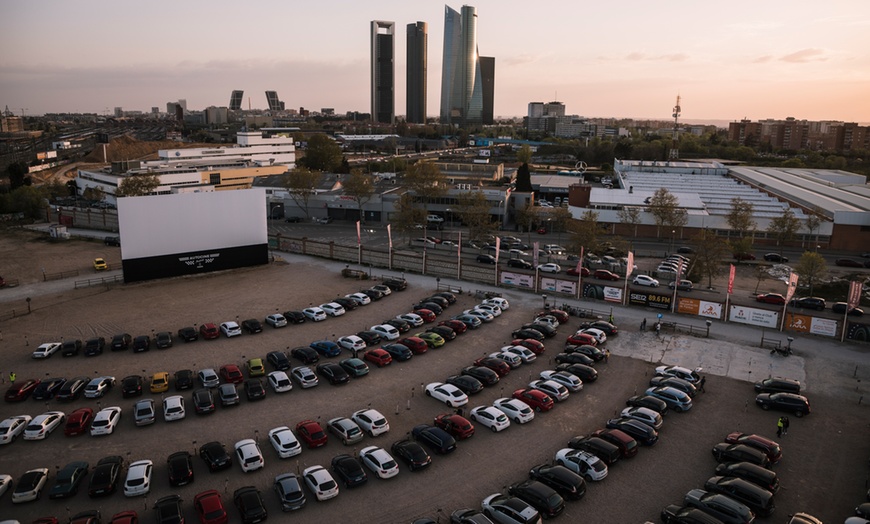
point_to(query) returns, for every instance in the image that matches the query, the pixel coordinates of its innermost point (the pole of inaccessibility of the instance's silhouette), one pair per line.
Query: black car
(797, 404)
(373, 294)
(754, 497)
(294, 317)
(446, 295)
(486, 259)
(609, 453)
(809, 303)
(289, 491)
(609, 329)
(72, 389)
(215, 456)
(203, 401)
(436, 438)
(528, 333)
(131, 386)
(294, 220)
(677, 383)
(70, 348)
(105, 477)
(585, 349)
(140, 343)
(306, 355)
(370, 337)
(519, 263)
(121, 341)
(574, 358)
(95, 346)
(68, 480)
(545, 329)
(349, 471)
(112, 241)
(441, 301)
(673, 514)
(485, 376)
(188, 334)
(254, 389)
(646, 401)
(252, 325)
(540, 496)
(333, 372)
(583, 372)
(468, 384)
(635, 429)
(414, 455)
(183, 379)
(346, 303)
(567, 483)
(754, 473)
(399, 324)
(396, 284)
(250, 505)
(163, 340)
(168, 510)
(399, 352)
(431, 306)
(180, 468)
(279, 360)
(775, 257)
(446, 332)
(840, 309)
(778, 385)
(48, 388)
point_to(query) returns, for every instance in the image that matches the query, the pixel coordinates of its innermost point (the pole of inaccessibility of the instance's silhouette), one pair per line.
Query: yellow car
(100, 264)
(160, 382)
(255, 367)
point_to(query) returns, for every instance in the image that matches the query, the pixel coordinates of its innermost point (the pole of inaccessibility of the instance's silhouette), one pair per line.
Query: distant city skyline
(743, 59)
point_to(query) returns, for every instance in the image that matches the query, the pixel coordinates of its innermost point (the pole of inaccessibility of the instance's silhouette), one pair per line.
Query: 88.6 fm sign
(650, 300)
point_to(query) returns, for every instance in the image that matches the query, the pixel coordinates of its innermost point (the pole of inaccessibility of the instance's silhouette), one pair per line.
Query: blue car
(326, 348)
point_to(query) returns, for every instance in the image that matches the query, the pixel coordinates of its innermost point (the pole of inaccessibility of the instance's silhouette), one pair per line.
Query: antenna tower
(675, 146)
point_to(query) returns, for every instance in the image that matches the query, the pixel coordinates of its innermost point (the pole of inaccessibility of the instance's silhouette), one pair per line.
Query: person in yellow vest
(12, 377)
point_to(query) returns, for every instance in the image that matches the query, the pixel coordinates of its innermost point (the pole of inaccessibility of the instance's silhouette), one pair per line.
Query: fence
(58, 276)
(98, 281)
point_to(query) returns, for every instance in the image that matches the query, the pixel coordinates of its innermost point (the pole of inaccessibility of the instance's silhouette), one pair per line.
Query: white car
(569, 380)
(490, 417)
(386, 331)
(498, 301)
(314, 314)
(554, 249)
(513, 360)
(304, 377)
(230, 329)
(379, 461)
(517, 253)
(492, 309)
(280, 382)
(320, 482)
(105, 421)
(333, 309)
(346, 429)
(549, 320)
(515, 409)
(284, 442)
(484, 316)
(582, 463)
(5, 483)
(12, 427)
(645, 415)
(249, 456)
(360, 298)
(352, 342)
(597, 334)
(99, 386)
(383, 289)
(276, 320)
(208, 378)
(46, 350)
(447, 393)
(525, 354)
(411, 318)
(680, 372)
(371, 421)
(552, 388)
(173, 408)
(667, 268)
(138, 479)
(507, 509)
(30, 485)
(549, 268)
(644, 280)
(42, 425)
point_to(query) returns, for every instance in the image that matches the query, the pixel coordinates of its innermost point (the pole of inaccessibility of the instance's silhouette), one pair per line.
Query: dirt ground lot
(824, 471)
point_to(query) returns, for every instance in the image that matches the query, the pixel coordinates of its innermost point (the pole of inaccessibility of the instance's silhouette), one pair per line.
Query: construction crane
(675, 147)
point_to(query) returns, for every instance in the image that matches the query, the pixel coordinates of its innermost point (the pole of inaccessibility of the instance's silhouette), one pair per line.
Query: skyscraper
(487, 74)
(461, 79)
(383, 72)
(416, 73)
(236, 100)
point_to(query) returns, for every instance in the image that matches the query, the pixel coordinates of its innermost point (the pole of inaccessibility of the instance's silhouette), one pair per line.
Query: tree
(137, 185)
(710, 251)
(630, 216)
(17, 173)
(740, 216)
(664, 207)
(407, 216)
(811, 267)
(559, 219)
(426, 181)
(526, 218)
(784, 228)
(524, 179)
(360, 187)
(301, 183)
(524, 155)
(584, 232)
(741, 246)
(474, 211)
(813, 223)
(322, 154)
(94, 193)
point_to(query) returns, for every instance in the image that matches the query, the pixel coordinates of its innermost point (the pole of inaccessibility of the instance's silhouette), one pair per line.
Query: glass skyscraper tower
(461, 79)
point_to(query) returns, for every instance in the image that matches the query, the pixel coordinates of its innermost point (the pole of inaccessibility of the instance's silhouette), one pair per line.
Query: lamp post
(673, 232)
(544, 297)
(709, 323)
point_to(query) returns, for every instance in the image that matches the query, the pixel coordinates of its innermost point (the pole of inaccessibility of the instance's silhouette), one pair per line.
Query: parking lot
(824, 470)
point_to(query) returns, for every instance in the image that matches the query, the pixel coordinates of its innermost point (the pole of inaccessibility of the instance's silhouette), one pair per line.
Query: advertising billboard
(754, 316)
(559, 286)
(702, 308)
(650, 300)
(807, 324)
(517, 279)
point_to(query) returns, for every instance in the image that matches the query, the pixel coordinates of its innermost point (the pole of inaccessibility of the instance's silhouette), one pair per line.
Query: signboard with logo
(559, 286)
(517, 279)
(754, 316)
(702, 308)
(807, 324)
(650, 300)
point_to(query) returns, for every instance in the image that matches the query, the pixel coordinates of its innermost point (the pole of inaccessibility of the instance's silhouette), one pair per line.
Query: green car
(255, 367)
(434, 340)
(355, 367)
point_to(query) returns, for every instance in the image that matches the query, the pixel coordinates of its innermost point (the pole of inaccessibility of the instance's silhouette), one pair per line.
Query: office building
(487, 72)
(461, 78)
(236, 100)
(274, 103)
(417, 46)
(383, 49)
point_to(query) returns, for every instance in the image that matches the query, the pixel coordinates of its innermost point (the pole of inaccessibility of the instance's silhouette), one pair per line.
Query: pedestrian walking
(12, 377)
(779, 426)
(701, 383)
(658, 328)
(611, 318)
(355, 352)
(606, 356)
(785, 425)
(643, 325)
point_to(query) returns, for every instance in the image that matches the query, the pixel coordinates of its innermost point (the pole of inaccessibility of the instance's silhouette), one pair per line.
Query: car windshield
(327, 485)
(136, 482)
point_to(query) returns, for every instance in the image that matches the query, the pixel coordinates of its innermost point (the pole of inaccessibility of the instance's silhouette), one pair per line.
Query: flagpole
(390, 241)
(459, 257)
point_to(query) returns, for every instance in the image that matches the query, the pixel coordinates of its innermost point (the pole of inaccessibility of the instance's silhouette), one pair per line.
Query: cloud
(519, 60)
(762, 59)
(805, 55)
(643, 57)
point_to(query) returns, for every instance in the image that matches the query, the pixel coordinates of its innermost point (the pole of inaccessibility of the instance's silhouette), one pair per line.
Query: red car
(744, 256)
(499, 366)
(604, 274)
(771, 298)
(312, 433)
(209, 331)
(426, 314)
(847, 262)
(21, 390)
(535, 398)
(78, 422)
(126, 517)
(459, 427)
(455, 325)
(769, 447)
(210, 508)
(232, 374)
(561, 316)
(378, 357)
(531, 344)
(415, 344)
(581, 339)
(573, 272)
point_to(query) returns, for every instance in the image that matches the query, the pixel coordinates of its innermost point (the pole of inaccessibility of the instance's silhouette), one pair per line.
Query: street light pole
(673, 232)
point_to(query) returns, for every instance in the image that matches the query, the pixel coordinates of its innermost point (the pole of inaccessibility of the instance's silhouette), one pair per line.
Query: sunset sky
(728, 60)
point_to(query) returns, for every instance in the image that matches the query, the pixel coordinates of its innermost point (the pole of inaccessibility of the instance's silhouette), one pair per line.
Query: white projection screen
(187, 233)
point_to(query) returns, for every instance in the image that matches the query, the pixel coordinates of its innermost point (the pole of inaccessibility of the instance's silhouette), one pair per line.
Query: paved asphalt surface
(824, 470)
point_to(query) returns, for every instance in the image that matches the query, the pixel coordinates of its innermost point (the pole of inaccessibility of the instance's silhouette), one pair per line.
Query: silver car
(143, 412)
